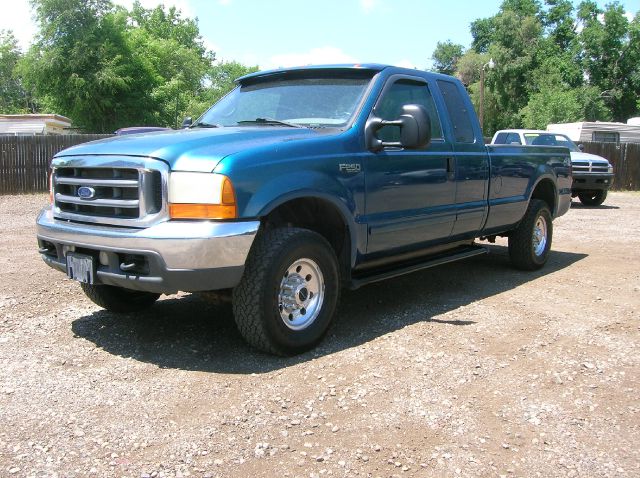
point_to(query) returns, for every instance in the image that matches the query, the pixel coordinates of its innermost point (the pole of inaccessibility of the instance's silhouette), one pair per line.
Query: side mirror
(415, 129)
(581, 147)
(187, 122)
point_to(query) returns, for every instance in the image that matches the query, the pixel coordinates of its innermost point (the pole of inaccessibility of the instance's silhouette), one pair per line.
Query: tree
(106, 67)
(555, 63)
(173, 57)
(611, 55)
(13, 98)
(80, 65)
(446, 56)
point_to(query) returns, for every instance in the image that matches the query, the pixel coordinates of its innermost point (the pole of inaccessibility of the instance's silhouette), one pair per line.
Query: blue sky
(272, 33)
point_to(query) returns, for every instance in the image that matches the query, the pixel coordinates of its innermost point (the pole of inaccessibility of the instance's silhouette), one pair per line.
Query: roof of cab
(375, 67)
(348, 66)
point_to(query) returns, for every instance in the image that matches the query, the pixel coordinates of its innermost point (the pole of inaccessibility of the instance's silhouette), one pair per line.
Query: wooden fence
(24, 160)
(625, 158)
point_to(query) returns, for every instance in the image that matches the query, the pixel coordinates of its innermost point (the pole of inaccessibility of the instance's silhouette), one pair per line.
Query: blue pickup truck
(296, 184)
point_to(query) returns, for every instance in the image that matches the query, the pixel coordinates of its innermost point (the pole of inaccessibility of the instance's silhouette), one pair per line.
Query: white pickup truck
(592, 174)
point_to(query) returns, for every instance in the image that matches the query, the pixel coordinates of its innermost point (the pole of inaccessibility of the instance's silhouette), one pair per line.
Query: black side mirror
(415, 129)
(188, 121)
(581, 147)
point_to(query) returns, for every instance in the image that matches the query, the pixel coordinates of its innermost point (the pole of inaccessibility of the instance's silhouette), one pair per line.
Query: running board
(443, 258)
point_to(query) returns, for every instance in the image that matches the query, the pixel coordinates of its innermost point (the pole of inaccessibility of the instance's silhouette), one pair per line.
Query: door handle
(451, 168)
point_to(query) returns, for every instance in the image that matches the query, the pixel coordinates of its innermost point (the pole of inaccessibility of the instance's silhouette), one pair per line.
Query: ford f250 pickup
(296, 184)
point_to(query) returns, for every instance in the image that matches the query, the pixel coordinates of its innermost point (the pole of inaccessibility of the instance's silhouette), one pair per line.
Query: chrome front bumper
(170, 256)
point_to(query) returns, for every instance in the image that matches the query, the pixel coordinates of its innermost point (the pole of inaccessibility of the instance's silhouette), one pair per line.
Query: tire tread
(520, 238)
(248, 295)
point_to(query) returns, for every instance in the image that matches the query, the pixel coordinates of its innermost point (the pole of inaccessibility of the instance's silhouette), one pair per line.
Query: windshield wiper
(270, 122)
(202, 124)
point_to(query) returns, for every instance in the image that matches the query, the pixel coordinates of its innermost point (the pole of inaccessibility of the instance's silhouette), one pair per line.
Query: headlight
(610, 169)
(201, 196)
(51, 199)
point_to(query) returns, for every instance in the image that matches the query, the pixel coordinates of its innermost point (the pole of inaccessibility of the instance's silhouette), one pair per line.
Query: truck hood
(580, 156)
(197, 149)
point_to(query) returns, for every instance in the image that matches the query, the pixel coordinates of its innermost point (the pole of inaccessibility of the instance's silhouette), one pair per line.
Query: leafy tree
(13, 98)
(80, 65)
(554, 63)
(514, 46)
(173, 57)
(611, 55)
(106, 67)
(446, 56)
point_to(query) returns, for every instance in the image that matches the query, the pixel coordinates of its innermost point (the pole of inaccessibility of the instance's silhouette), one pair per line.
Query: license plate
(80, 267)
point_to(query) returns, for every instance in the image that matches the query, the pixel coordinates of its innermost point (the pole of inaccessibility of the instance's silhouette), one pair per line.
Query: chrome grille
(589, 167)
(118, 192)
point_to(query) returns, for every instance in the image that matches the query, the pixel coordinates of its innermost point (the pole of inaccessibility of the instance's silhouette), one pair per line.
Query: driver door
(410, 194)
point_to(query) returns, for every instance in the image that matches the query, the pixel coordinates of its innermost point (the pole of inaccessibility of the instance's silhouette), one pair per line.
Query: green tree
(79, 65)
(446, 56)
(611, 55)
(106, 67)
(173, 58)
(13, 98)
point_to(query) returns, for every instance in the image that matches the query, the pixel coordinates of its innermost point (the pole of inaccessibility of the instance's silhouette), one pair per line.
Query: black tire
(118, 299)
(593, 199)
(257, 306)
(525, 247)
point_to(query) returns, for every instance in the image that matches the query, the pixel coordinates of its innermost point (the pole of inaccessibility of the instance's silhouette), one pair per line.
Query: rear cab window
(458, 113)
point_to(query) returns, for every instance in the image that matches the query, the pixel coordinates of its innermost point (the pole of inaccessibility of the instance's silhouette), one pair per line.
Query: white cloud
(17, 18)
(224, 3)
(368, 5)
(404, 63)
(315, 56)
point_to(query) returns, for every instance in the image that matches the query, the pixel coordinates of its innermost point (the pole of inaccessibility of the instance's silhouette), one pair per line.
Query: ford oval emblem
(85, 192)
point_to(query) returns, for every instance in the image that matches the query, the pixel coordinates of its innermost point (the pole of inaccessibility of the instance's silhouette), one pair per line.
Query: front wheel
(118, 299)
(530, 242)
(287, 296)
(593, 199)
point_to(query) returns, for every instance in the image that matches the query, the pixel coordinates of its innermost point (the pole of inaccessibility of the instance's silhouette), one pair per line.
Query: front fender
(311, 184)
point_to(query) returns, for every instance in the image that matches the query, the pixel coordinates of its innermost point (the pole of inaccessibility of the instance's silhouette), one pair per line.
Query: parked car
(299, 182)
(140, 129)
(592, 174)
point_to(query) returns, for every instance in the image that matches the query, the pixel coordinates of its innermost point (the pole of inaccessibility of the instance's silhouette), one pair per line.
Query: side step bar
(457, 254)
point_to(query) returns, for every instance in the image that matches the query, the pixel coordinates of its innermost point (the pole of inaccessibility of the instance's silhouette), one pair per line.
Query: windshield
(304, 101)
(550, 139)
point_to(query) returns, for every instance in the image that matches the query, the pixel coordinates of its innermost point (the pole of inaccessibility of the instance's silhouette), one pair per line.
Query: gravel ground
(470, 369)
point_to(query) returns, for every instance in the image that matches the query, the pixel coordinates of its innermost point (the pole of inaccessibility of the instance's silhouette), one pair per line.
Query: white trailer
(599, 131)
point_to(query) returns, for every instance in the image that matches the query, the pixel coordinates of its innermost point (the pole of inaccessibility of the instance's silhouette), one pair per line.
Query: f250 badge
(349, 168)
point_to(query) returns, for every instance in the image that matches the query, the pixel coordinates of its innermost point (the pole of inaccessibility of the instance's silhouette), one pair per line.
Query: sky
(281, 33)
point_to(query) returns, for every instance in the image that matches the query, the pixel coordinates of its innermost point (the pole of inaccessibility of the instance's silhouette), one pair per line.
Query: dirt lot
(470, 369)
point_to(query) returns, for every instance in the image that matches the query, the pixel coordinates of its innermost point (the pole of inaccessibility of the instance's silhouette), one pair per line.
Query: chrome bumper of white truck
(167, 257)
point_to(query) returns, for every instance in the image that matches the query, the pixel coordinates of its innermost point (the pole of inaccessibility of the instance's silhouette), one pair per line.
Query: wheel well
(546, 191)
(320, 216)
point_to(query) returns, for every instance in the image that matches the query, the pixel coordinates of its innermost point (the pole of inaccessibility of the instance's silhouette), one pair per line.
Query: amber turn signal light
(202, 211)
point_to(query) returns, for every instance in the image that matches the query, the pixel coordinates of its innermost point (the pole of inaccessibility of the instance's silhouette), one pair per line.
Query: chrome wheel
(540, 236)
(301, 294)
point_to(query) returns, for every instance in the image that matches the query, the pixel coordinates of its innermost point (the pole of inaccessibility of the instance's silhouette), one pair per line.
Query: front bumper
(167, 257)
(591, 181)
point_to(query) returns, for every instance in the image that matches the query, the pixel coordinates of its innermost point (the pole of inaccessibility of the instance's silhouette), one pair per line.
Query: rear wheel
(593, 199)
(530, 242)
(287, 296)
(118, 299)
